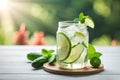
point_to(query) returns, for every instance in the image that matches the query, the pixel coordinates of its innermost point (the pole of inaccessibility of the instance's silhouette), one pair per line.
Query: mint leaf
(97, 54)
(51, 51)
(44, 51)
(33, 55)
(91, 51)
(82, 17)
(47, 53)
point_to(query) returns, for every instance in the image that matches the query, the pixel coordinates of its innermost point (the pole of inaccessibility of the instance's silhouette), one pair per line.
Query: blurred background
(35, 22)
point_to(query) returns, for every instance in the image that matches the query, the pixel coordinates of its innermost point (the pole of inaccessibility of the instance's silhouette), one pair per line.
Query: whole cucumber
(38, 63)
(32, 56)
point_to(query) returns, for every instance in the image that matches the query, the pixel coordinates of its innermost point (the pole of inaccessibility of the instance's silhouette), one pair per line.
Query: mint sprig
(92, 52)
(47, 53)
(94, 56)
(82, 17)
(85, 20)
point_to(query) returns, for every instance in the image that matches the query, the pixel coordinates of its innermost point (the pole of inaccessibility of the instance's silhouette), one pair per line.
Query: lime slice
(64, 46)
(89, 22)
(80, 34)
(75, 54)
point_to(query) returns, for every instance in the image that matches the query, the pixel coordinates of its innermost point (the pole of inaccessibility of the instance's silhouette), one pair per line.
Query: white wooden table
(15, 66)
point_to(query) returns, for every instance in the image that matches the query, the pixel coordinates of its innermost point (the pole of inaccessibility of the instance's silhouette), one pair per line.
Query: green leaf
(45, 52)
(76, 19)
(33, 55)
(51, 51)
(97, 54)
(91, 51)
(81, 17)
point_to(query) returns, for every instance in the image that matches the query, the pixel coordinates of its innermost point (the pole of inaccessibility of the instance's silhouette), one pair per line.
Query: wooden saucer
(84, 71)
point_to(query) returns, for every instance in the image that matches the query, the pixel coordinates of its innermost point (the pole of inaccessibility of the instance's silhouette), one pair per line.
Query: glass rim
(68, 21)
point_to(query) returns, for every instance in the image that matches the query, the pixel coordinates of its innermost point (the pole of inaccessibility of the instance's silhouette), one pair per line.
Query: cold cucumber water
(72, 42)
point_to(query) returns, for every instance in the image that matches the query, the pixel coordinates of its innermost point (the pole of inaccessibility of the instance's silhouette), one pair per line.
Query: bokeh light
(101, 8)
(4, 5)
(44, 15)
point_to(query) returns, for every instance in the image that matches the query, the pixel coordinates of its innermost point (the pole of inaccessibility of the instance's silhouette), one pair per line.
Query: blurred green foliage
(2, 38)
(104, 40)
(44, 15)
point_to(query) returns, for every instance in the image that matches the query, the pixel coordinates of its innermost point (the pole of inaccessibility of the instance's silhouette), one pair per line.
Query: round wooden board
(84, 71)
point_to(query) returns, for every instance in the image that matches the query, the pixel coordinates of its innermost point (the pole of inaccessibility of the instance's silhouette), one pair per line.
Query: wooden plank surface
(57, 77)
(15, 66)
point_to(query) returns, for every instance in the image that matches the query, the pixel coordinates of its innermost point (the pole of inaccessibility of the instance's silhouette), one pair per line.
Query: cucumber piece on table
(38, 63)
(32, 56)
(52, 59)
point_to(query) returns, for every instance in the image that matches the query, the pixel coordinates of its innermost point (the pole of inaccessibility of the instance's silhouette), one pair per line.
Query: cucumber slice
(80, 34)
(64, 46)
(75, 54)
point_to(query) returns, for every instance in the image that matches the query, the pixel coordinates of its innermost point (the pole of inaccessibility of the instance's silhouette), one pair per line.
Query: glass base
(72, 66)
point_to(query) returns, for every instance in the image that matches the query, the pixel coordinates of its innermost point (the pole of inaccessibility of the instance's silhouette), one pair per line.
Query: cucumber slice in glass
(75, 54)
(64, 46)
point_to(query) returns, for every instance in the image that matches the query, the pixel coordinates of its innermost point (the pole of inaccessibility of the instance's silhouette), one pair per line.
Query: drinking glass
(72, 43)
